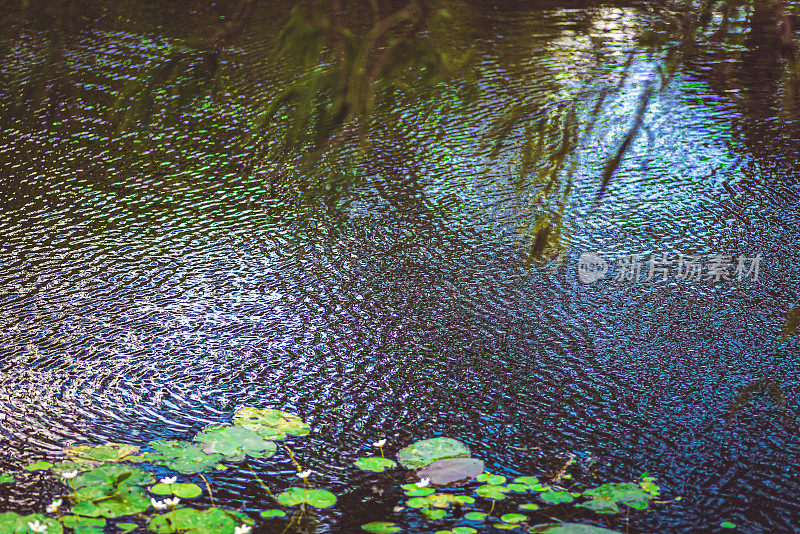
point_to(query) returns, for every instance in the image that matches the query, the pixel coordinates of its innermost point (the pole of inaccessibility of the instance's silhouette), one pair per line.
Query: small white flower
(158, 505)
(423, 483)
(36, 526)
(169, 480)
(244, 529)
(304, 474)
(380, 443)
(69, 474)
(172, 502)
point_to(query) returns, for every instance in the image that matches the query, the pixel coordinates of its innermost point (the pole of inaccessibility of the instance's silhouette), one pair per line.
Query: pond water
(147, 288)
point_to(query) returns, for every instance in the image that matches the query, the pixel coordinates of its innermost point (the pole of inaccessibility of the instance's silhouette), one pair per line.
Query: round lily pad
(6, 479)
(475, 516)
(727, 524)
(110, 452)
(269, 423)
(235, 443)
(463, 530)
(183, 457)
(127, 526)
(127, 500)
(494, 492)
(190, 521)
(451, 471)
(419, 454)
(494, 480)
(434, 514)
(38, 466)
(11, 522)
(375, 463)
(318, 498)
(109, 474)
(272, 513)
(604, 499)
(381, 527)
(529, 506)
(76, 521)
(556, 497)
(182, 490)
(569, 528)
(513, 518)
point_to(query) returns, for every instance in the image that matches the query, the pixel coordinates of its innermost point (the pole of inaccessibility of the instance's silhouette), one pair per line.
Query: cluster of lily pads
(446, 463)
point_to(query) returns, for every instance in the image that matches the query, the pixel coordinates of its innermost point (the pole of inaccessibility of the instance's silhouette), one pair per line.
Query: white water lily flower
(169, 480)
(423, 483)
(158, 505)
(243, 529)
(69, 474)
(172, 502)
(304, 474)
(380, 443)
(36, 526)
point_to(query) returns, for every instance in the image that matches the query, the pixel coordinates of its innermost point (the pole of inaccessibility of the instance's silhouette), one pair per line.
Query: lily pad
(183, 457)
(556, 497)
(76, 521)
(463, 530)
(488, 491)
(272, 513)
(190, 521)
(38, 466)
(127, 500)
(529, 506)
(451, 471)
(532, 483)
(109, 474)
(433, 514)
(727, 524)
(475, 516)
(381, 527)
(604, 498)
(110, 452)
(269, 423)
(12, 523)
(127, 526)
(6, 479)
(318, 498)
(494, 480)
(513, 518)
(235, 443)
(569, 528)
(419, 454)
(412, 490)
(375, 463)
(70, 466)
(184, 491)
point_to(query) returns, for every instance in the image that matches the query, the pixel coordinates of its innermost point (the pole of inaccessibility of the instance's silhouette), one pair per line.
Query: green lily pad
(70, 466)
(504, 526)
(604, 499)
(110, 452)
(38, 466)
(269, 423)
(190, 521)
(727, 524)
(433, 514)
(475, 516)
(76, 521)
(463, 530)
(318, 498)
(127, 500)
(529, 506)
(183, 457)
(381, 527)
(109, 474)
(127, 526)
(494, 480)
(184, 491)
(488, 491)
(444, 500)
(375, 463)
(422, 453)
(235, 443)
(12, 523)
(556, 497)
(420, 492)
(273, 513)
(532, 483)
(569, 528)
(513, 518)
(6, 479)
(517, 488)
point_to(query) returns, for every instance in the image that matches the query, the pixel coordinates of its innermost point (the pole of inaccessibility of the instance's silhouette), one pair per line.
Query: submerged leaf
(422, 453)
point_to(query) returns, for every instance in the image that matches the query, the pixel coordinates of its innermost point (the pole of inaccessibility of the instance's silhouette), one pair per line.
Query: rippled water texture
(147, 289)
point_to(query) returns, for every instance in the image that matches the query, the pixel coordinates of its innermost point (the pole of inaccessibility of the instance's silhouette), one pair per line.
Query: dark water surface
(147, 289)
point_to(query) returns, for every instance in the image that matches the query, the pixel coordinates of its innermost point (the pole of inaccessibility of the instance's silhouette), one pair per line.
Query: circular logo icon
(591, 268)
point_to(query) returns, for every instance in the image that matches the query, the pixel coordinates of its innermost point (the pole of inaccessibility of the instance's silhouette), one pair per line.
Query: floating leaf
(11, 522)
(518, 488)
(412, 490)
(235, 443)
(269, 423)
(569, 528)
(556, 497)
(381, 527)
(422, 453)
(727, 524)
(488, 491)
(6, 479)
(318, 498)
(604, 498)
(434, 514)
(190, 521)
(494, 480)
(504, 526)
(184, 491)
(38, 466)
(128, 500)
(109, 474)
(649, 486)
(183, 457)
(375, 463)
(418, 502)
(70, 466)
(127, 526)
(451, 471)
(463, 530)
(110, 452)
(75, 521)
(444, 500)
(475, 516)
(513, 518)
(529, 506)
(273, 513)
(532, 483)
